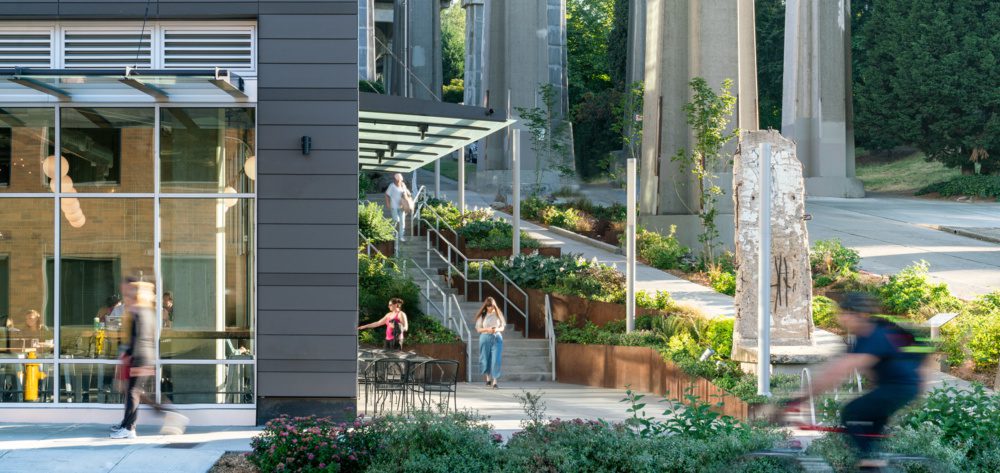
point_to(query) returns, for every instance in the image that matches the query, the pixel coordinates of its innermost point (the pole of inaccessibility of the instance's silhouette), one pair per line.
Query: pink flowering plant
(311, 444)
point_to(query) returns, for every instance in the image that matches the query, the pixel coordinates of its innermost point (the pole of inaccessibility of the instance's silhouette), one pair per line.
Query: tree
(930, 78)
(770, 19)
(548, 134)
(453, 43)
(708, 115)
(618, 50)
(588, 23)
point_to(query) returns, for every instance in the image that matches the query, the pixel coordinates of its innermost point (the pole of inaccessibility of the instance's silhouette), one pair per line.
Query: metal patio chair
(437, 377)
(389, 384)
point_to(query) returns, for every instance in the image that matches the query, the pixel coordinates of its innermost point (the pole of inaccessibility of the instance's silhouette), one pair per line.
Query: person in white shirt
(490, 324)
(394, 196)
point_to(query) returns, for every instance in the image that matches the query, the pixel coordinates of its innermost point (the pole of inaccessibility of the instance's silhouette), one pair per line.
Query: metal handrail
(430, 284)
(452, 250)
(369, 247)
(806, 383)
(463, 328)
(438, 219)
(550, 334)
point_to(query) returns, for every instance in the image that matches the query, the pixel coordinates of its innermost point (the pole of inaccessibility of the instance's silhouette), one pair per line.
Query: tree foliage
(618, 50)
(929, 77)
(588, 23)
(548, 133)
(770, 19)
(453, 43)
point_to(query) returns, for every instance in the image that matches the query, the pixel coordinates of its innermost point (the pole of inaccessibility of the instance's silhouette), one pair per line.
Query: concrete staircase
(523, 359)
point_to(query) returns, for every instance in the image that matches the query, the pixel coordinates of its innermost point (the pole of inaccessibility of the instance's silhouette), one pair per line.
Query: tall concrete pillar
(525, 47)
(635, 69)
(476, 51)
(366, 39)
(816, 108)
(416, 42)
(713, 40)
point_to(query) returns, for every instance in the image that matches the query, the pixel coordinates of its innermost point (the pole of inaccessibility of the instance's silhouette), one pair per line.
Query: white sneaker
(173, 424)
(123, 434)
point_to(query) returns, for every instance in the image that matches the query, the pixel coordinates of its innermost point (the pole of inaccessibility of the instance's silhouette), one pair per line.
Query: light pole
(461, 181)
(630, 184)
(515, 158)
(764, 276)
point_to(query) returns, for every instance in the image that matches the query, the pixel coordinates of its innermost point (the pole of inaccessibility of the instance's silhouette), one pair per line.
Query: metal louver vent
(198, 49)
(97, 49)
(25, 49)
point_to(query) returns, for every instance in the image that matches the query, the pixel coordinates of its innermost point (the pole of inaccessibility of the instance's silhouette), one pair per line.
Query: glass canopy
(120, 85)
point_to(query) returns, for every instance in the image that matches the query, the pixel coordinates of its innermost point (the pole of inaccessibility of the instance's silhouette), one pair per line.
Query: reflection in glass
(27, 138)
(27, 382)
(207, 278)
(117, 237)
(26, 241)
(89, 383)
(108, 149)
(207, 384)
(208, 150)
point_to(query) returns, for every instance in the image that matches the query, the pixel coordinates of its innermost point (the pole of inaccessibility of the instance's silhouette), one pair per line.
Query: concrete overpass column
(425, 49)
(476, 51)
(684, 40)
(816, 102)
(366, 39)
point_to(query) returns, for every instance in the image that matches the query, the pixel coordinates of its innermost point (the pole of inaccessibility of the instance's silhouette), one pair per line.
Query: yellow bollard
(32, 374)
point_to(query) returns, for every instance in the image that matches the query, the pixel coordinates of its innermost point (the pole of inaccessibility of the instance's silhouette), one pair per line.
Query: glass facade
(164, 192)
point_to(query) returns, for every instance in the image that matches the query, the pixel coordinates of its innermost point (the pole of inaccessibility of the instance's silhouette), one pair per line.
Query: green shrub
(720, 336)
(661, 251)
(373, 224)
(597, 282)
(722, 281)
(537, 272)
(532, 207)
(824, 312)
(309, 444)
(659, 301)
(493, 234)
(926, 441)
(380, 279)
(975, 334)
(963, 416)
(909, 292)
(563, 218)
(431, 443)
(832, 259)
(975, 185)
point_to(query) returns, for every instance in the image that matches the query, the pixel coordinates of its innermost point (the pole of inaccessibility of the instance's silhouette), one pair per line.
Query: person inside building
(111, 304)
(168, 309)
(33, 331)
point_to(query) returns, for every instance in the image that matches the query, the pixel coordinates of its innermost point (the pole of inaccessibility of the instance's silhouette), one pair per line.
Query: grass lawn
(906, 175)
(449, 169)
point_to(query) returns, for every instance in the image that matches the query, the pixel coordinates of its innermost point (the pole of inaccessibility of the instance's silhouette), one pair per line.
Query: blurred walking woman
(490, 324)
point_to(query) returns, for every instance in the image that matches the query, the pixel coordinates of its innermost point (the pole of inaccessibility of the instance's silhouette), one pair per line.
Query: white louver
(104, 49)
(25, 48)
(193, 49)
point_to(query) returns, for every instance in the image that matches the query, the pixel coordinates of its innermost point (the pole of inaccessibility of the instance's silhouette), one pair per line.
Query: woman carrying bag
(490, 324)
(400, 202)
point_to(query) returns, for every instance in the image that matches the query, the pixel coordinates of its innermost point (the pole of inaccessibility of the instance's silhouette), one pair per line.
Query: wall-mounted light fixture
(307, 143)
(423, 130)
(392, 149)
(380, 154)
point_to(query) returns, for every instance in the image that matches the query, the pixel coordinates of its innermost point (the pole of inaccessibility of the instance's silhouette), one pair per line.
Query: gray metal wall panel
(315, 186)
(23, 10)
(292, 51)
(309, 75)
(340, 138)
(307, 366)
(305, 322)
(300, 7)
(305, 95)
(291, 161)
(304, 261)
(309, 26)
(306, 384)
(307, 236)
(280, 298)
(307, 347)
(231, 10)
(307, 113)
(309, 212)
(307, 279)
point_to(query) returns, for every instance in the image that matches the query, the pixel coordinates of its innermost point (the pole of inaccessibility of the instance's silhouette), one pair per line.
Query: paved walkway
(890, 233)
(86, 448)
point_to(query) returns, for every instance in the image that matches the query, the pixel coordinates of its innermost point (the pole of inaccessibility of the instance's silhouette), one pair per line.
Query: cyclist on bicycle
(890, 356)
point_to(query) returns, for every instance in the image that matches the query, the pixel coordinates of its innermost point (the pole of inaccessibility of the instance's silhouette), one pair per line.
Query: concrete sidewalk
(86, 448)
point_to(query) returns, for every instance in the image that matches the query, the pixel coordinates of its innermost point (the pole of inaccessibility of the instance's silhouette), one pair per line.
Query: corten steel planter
(643, 370)
(387, 248)
(442, 351)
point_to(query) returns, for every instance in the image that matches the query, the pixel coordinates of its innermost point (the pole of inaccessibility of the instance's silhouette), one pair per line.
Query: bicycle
(795, 453)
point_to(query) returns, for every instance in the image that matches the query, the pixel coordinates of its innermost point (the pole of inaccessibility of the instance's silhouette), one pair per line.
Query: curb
(963, 233)
(585, 240)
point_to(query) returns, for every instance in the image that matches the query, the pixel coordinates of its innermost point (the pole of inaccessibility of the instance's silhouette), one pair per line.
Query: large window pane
(89, 383)
(108, 149)
(26, 140)
(114, 237)
(25, 245)
(208, 150)
(207, 384)
(28, 382)
(207, 269)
